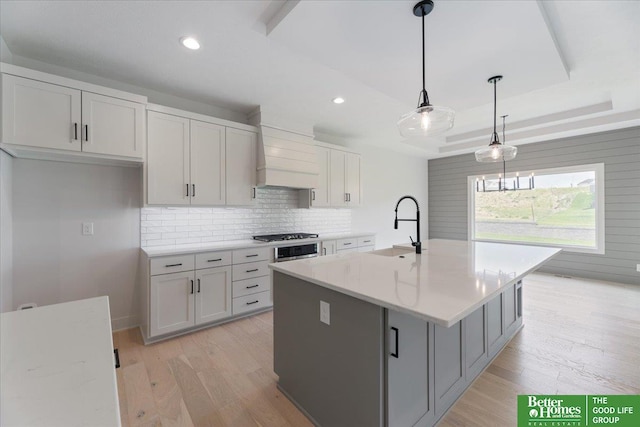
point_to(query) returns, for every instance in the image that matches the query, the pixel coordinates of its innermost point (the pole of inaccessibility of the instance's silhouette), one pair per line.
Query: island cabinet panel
(512, 312)
(449, 381)
(475, 328)
(335, 372)
(409, 371)
(495, 325)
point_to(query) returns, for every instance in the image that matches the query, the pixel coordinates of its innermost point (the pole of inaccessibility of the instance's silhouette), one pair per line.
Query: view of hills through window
(560, 210)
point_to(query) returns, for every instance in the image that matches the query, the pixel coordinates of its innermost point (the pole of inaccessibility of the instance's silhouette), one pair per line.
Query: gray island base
(374, 366)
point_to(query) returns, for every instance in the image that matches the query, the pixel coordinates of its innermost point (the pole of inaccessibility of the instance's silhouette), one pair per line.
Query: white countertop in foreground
(448, 281)
(155, 251)
(57, 366)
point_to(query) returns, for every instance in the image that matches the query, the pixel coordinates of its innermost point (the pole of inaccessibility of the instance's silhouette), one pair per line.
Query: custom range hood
(286, 158)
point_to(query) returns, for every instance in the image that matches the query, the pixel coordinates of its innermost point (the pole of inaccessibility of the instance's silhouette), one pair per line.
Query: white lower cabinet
(328, 247)
(185, 291)
(352, 244)
(213, 294)
(172, 304)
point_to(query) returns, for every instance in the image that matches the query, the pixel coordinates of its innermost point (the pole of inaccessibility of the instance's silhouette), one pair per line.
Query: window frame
(598, 168)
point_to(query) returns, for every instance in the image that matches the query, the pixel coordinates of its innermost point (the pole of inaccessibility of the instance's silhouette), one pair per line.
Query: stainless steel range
(291, 252)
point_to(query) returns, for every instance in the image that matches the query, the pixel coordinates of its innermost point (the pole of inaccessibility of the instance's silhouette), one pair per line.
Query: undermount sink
(392, 251)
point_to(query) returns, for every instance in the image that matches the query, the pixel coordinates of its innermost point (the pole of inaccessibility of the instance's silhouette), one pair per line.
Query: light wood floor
(580, 337)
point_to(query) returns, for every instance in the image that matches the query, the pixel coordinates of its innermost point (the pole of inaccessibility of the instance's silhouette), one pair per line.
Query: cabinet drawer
(252, 254)
(366, 241)
(250, 270)
(251, 286)
(251, 302)
(347, 250)
(213, 259)
(347, 243)
(171, 264)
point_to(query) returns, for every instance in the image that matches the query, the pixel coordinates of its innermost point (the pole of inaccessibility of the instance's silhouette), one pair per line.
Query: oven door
(288, 253)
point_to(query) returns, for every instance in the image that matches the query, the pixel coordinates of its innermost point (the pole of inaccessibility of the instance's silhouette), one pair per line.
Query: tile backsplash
(276, 211)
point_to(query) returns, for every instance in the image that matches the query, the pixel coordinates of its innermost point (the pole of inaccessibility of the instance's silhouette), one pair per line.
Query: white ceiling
(570, 67)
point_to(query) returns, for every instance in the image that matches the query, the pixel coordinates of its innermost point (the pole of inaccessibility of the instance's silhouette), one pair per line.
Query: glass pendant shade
(426, 120)
(496, 152)
(429, 120)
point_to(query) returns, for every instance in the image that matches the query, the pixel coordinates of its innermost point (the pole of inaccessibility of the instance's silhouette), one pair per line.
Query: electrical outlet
(87, 229)
(638, 268)
(325, 312)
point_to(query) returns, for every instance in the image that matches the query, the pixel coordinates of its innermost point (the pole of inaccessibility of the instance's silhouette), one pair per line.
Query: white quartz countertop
(57, 366)
(156, 251)
(448, 281)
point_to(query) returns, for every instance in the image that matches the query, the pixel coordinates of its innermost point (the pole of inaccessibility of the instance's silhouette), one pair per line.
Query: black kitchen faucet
(417, 243)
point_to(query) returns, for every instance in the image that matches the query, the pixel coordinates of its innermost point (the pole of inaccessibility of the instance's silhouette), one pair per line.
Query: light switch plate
(638, 268)
(325, 312)
(87, 229)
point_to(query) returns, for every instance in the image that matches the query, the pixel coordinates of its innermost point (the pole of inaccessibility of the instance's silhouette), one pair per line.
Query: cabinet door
(172, 302)
(353, 179)
(167, 160)
(40, 114)
(337, 178)
(448, 363)
(213, 294)
(207, 163)
(328, 247)
(112, 126)
(409, 384)
(241, 167)
(320, 195)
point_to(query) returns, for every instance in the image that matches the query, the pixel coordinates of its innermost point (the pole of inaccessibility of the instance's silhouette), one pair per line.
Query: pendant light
(495, 152)
(426, 119)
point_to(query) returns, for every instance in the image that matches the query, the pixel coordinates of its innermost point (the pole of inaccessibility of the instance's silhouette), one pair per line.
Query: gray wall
(6, 233)
(619, 150)
(52, 261)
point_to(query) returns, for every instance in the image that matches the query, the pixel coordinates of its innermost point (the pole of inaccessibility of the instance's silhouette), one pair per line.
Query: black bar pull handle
(75, 131)
(193, 190)
(117, 356)
(396, 354)
(214, 260)
(347, 243)
(198, 285)
(313, 194)
(191, 287)
(86, 133)
(173, 265)
(251, 256)
(251, 271)
(253, 302)
(187, 190)
(252, 286)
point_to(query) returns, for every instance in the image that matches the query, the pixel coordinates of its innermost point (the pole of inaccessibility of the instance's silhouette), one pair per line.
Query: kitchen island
(393, 338)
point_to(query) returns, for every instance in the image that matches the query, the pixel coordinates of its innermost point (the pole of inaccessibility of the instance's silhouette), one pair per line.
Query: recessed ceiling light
(190, 43)
(338, 100)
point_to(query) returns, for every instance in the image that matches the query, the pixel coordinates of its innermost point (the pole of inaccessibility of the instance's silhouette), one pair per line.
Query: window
(564, 209)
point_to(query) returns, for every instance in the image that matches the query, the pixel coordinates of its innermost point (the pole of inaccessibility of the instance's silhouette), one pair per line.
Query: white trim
(200, 117)
(598, 168)
(28, 73)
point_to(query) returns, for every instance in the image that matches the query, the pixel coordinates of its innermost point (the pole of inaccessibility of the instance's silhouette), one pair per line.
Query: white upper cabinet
(338, 181)
(195, 162)
(320, 196)
(168, 160)
(345, 179)
(352, 179)
(241, 166)
(40, 114)
(208, 176)
(48, 112)
(338, 169)
(112, 126)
